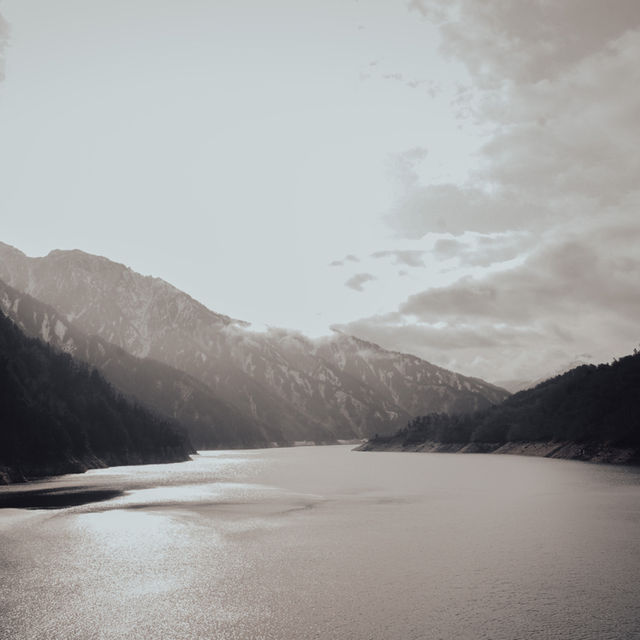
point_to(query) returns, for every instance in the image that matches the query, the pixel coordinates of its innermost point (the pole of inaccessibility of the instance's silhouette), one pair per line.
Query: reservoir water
(324, 542)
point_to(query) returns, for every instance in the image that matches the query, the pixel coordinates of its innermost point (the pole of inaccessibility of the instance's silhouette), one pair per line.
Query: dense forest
(58, 415)
(590, 405)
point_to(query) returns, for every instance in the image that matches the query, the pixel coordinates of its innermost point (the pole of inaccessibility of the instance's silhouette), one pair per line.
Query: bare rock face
(291, 387)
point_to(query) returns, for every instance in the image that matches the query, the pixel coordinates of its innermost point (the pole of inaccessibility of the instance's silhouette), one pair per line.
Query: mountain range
(230, 386)
(173, 394)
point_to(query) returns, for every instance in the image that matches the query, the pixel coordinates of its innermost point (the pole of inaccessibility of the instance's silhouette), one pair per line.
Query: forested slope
(596, 408)
(58, 416)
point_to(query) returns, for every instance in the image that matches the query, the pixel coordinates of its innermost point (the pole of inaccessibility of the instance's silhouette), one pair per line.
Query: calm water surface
(324, 542)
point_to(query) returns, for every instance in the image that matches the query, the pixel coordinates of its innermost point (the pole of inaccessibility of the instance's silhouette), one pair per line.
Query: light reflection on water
(327, 543)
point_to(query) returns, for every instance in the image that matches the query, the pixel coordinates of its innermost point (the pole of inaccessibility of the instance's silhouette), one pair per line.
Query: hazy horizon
(445, 179)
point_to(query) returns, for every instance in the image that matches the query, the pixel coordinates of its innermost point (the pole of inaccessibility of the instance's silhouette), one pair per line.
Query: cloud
(569, 143)
(546, 227)
(357, 281)
(446, 248)
(484, 250)
(341, 263)
(562, 301)
(430, 341)
(558, 281)
(432, 87)
(448, 208)
(552, 91)
(375, 67)
(403, 166)
(527, 42)
(409, 257)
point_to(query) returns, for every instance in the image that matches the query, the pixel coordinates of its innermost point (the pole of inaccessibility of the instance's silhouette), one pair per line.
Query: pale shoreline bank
(589, 452)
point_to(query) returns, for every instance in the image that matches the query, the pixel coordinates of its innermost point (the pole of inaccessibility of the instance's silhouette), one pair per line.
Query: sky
(453, 179)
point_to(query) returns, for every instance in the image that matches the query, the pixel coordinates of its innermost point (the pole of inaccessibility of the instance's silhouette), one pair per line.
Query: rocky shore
(591, 452)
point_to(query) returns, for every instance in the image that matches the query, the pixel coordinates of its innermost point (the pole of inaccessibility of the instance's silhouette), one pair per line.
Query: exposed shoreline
(26, 472)
(588, 452)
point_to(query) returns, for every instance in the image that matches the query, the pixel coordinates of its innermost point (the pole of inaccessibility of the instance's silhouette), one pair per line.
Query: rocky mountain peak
(334, 387)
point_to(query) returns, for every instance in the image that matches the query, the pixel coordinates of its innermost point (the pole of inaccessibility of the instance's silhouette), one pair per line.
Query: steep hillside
(59, 416)
(209, 421)
(591, 412)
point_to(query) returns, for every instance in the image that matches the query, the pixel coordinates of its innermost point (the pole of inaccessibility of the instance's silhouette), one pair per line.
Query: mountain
(515, 385)
(209, 421)
(411, 383)
(589, 413)
(59, 416)
(336, 388)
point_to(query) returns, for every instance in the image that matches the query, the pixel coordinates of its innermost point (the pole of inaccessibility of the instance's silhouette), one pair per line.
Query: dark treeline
(172, 394)
(57, 415)
(589, 404)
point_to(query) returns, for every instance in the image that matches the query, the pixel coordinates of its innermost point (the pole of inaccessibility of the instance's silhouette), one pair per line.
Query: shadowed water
(322, 542)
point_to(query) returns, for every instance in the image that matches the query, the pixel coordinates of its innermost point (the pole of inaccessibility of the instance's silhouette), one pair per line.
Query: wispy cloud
(357, 281)
(484, 250)
(408, 257)
(341, 263)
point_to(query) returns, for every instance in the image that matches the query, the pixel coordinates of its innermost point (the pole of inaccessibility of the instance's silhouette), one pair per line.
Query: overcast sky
(450, 178)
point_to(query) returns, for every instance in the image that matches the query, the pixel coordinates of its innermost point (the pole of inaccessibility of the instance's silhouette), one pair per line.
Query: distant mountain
(323, 390)
(59, 416)
(411, 383)
(515, 385)
(590, 413)
(210, 422)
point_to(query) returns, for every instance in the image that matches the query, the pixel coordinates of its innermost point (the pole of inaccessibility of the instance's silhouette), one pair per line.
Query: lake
(325, 542)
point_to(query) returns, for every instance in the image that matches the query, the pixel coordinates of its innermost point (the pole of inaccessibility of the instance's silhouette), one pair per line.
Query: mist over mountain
(292, 387)
(514, 386)
(60, 416)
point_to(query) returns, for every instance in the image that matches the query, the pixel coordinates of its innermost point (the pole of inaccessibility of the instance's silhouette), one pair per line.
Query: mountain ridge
(210, 422)
(313, 390)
